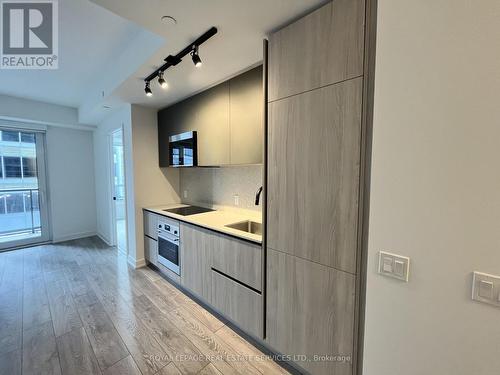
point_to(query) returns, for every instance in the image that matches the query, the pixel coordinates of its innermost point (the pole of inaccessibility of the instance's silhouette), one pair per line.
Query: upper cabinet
(246, 101)
(211, 121)
(173, 120)
(227, 117)
(323, 48)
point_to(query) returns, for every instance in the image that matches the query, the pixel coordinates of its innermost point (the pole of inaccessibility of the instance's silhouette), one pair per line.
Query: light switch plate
(393, 265)
(486, 288)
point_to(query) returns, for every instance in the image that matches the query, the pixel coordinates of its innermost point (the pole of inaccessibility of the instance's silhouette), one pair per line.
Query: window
(2, 204)
(10, 136)
(28, 137)
(15, 203)
(29, 167)
(12, 167)
(28, 199)
(36, 203)
(1, 167)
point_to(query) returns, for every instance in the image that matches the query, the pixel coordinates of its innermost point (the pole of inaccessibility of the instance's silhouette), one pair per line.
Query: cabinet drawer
(151, 250)
(238, 303)
(239, 259)
(151, 225)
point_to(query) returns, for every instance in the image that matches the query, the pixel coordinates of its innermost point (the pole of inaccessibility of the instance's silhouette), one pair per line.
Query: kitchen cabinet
(238, 303)
(212, 124)
(227, 117)
(313, 174)
(319, 49)
(225, 273)
(238, 259)
(196, 252)
(173, 120)
(315, 150)
(310, 310)
(222, 271)
(150, 221)
(246, 117)
(151, 250)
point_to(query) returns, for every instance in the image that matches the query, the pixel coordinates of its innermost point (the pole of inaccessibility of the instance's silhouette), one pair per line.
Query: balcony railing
(19, 212)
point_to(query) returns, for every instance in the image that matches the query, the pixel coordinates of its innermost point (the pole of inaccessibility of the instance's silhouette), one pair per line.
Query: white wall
(32, 111)
(70, 170)
(153, 186)
(102, 159)
(147, 184)
(435, 189)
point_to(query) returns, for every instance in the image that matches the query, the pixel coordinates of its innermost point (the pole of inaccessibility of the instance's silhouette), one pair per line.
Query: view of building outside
(19, 206)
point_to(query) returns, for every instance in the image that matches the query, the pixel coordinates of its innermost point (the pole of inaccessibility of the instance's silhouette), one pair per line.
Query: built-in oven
(169, 246)
(183, 150)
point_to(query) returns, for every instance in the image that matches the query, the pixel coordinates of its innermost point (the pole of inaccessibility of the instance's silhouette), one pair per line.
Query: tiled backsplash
(218, 186)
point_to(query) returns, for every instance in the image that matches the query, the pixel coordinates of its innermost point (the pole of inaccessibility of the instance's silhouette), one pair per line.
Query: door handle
(114, 198)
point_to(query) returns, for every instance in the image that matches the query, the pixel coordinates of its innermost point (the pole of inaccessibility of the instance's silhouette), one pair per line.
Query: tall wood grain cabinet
(314, 176)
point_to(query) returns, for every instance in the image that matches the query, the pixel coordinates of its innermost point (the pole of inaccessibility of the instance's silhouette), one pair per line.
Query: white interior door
(24, 217)
(118, 191)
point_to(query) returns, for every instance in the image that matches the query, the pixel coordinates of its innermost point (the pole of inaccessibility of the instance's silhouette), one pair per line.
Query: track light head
(195, 57)
(163, 84)
(147, 89)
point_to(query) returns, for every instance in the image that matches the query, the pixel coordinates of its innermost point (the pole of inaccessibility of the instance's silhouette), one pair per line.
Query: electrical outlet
(185, 193)
(236, 200)
(393, 265)
(486, 288)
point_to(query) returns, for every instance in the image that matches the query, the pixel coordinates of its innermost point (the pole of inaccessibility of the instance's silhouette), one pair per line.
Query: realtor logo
(29, 37)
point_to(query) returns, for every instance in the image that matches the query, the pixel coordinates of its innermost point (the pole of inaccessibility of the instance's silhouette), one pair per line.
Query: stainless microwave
(182, 149)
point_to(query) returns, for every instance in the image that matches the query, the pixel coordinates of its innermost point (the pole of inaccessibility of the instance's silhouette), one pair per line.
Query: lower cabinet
(196, 251)
(310, 310)
(150, 224)
(151, 250)
(225, 273)
(238, 259)
(237, 302)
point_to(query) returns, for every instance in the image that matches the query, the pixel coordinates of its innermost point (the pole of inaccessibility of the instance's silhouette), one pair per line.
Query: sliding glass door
(23, 211)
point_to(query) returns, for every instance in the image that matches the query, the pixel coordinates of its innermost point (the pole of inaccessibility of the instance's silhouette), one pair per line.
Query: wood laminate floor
(78, 308)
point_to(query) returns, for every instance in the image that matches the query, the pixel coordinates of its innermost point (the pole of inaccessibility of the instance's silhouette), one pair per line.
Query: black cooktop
(188, 210)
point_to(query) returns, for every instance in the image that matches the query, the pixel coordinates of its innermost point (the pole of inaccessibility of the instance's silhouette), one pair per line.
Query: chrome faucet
(257, 196)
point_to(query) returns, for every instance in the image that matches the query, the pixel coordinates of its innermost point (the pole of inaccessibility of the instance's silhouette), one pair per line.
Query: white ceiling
(107, 47)
(242, 25)
(89, 38)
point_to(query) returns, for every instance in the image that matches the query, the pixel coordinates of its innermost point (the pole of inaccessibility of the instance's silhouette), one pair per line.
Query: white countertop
(216, 220)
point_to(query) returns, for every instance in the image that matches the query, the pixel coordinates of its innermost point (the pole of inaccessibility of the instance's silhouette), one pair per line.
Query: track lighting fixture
(174, 60)
(147, 89)
(163, 84)
(195, 57)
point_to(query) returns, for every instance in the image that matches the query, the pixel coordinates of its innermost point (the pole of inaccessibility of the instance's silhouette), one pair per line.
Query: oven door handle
(168, 237)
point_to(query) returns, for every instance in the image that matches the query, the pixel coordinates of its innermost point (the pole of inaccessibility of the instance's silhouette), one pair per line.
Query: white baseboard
(104, 238)
(122, 252)
(136, 263)
(73, 236)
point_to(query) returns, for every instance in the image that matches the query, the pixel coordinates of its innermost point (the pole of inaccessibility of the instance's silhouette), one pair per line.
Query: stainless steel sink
(247, 226)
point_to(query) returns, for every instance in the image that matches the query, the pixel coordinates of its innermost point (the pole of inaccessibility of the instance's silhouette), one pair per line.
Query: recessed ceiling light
(169, 20)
